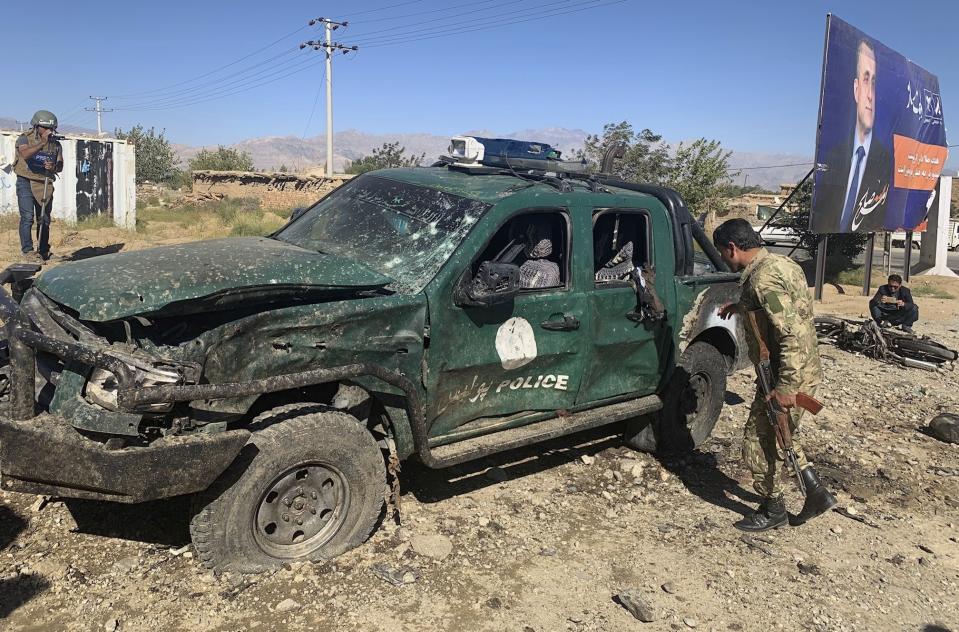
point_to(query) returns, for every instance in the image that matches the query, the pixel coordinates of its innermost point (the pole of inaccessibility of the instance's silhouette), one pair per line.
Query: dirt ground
(543, 539)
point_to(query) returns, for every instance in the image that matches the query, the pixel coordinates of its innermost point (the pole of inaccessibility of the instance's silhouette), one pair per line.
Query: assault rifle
(779, 417)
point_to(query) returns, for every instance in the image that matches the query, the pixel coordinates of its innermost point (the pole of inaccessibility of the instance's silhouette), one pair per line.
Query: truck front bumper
(46, 455)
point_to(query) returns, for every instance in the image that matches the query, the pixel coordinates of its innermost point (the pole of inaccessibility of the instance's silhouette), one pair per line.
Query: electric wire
(372, 38)
(225, 84)
(316, 100)
(311, 63)
(410, 15)
(427, 36)
(215, 70)
(386, 8)
(473, 9)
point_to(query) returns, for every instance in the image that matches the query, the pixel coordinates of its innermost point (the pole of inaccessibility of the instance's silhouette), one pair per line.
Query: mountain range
(309, 154)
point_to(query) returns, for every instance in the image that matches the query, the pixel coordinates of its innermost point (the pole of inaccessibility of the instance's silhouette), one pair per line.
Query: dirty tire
(319, 466)
(691, 404)
(920, 349)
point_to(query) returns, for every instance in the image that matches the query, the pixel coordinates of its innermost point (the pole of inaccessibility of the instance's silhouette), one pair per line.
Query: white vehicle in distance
(777, 235)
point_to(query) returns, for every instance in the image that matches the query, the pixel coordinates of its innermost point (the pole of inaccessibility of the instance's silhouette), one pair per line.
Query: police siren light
(468, 151)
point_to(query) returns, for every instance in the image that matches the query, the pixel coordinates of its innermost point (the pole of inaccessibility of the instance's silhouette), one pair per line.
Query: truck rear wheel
(309, 487)
(691, 404)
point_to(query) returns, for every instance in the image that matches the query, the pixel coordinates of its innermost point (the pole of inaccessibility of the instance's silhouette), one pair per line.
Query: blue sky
(747, 74)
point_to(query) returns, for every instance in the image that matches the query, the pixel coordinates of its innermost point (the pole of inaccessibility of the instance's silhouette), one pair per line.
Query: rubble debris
(637, 605)
(945, 427)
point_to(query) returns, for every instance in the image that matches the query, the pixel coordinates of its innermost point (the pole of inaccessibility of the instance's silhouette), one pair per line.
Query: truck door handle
(569, 323)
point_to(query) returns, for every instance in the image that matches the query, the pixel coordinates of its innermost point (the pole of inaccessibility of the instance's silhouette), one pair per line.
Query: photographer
(39, 159)
(893, 304)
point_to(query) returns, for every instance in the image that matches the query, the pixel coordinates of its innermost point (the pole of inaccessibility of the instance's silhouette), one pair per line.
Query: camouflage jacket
(776, 285)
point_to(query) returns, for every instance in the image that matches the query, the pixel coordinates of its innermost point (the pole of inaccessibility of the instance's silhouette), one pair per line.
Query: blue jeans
(30, 208)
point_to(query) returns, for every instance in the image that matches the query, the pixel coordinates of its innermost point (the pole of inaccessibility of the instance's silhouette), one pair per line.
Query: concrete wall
(274, 190)
(77, 193)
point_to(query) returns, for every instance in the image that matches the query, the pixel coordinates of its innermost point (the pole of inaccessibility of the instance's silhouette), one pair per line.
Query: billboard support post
(821, 266)
(907, 257)
(887, 253)
(867, 273)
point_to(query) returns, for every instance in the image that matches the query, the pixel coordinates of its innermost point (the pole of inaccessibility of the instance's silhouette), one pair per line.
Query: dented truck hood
(199, 276)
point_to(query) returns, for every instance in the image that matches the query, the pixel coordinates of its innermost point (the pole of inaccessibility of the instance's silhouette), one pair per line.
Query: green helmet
(44, 118)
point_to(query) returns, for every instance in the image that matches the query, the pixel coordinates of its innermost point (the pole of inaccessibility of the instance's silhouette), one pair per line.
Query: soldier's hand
(728, 310)
(48, 165)
(784, 401)
(900, 303)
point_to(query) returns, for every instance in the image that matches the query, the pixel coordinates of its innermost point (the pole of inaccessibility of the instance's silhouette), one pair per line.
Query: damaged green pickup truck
(439, 313)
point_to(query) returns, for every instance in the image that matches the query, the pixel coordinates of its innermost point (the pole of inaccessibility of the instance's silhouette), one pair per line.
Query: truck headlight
(102, 387)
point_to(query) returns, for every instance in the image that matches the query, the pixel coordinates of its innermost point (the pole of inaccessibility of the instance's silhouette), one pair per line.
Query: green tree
(698, 170)
(155, 158)
(700, 173)
(222, 159)
(284, 169)
(390, 155)
(646, 157)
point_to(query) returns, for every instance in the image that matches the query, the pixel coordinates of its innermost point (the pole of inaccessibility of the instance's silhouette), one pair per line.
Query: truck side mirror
(493, 283)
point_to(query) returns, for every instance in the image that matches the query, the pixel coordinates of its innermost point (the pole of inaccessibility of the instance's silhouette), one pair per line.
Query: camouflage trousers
(761, 453)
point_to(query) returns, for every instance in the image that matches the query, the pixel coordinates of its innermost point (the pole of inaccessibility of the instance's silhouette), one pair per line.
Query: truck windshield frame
(401, 230)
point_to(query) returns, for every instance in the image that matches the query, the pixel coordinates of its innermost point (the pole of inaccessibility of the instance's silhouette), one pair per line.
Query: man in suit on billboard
(851, 196)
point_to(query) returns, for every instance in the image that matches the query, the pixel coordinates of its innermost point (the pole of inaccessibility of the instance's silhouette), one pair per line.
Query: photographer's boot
(770, 515)
(818, 499)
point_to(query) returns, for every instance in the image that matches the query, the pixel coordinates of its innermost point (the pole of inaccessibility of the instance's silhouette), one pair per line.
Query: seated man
(893, 304)
(538, 271)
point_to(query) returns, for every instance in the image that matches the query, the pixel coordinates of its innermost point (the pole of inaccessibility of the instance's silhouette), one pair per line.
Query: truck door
(508, 359)
(624, 355)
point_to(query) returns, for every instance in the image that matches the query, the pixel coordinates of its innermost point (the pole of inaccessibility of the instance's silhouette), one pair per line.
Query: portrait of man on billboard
(851, 195)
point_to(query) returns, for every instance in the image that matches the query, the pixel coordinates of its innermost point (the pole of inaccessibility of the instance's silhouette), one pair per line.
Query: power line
(374, 34)
(316, 99)
(451, 7)
(221, 85)
(214, 97)
(795, 164)
(402, 39)
(217, 69)
(386, 8)
(530, 11)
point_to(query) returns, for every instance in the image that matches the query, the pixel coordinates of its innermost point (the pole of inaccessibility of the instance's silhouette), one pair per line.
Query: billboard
(881, 142)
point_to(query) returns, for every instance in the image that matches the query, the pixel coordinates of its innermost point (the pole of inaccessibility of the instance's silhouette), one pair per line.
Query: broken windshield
(400, 230)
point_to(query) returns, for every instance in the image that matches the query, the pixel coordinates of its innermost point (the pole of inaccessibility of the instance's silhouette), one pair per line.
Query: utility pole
(99, 110)
(329, 46)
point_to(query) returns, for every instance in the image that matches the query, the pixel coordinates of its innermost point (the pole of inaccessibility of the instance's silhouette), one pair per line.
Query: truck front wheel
(691, 404)
(308, 487)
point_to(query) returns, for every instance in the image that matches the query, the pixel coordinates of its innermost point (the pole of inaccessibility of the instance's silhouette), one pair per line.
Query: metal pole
(886, 254)
(907, 258)
(788, 198)
(329, 99)
(867, 273)
(821, 266)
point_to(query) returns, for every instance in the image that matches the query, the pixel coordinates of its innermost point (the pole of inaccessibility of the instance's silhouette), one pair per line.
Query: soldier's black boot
(818, 499)
(770, 515)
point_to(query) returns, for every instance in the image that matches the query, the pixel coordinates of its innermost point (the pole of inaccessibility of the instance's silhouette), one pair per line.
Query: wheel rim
(301, 510)
(695, 396)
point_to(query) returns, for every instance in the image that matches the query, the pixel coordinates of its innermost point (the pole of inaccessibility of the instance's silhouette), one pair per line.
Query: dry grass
(227, 217)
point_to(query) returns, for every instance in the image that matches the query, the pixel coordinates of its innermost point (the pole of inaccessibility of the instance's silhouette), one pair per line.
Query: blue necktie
(845, 223)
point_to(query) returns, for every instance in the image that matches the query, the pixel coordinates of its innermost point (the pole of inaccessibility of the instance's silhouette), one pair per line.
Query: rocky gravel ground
(579, 534)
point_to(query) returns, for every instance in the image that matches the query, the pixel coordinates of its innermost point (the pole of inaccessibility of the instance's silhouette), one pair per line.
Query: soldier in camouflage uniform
(775, 288)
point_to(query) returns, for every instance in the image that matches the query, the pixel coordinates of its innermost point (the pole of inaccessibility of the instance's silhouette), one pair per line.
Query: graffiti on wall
(94, 178)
